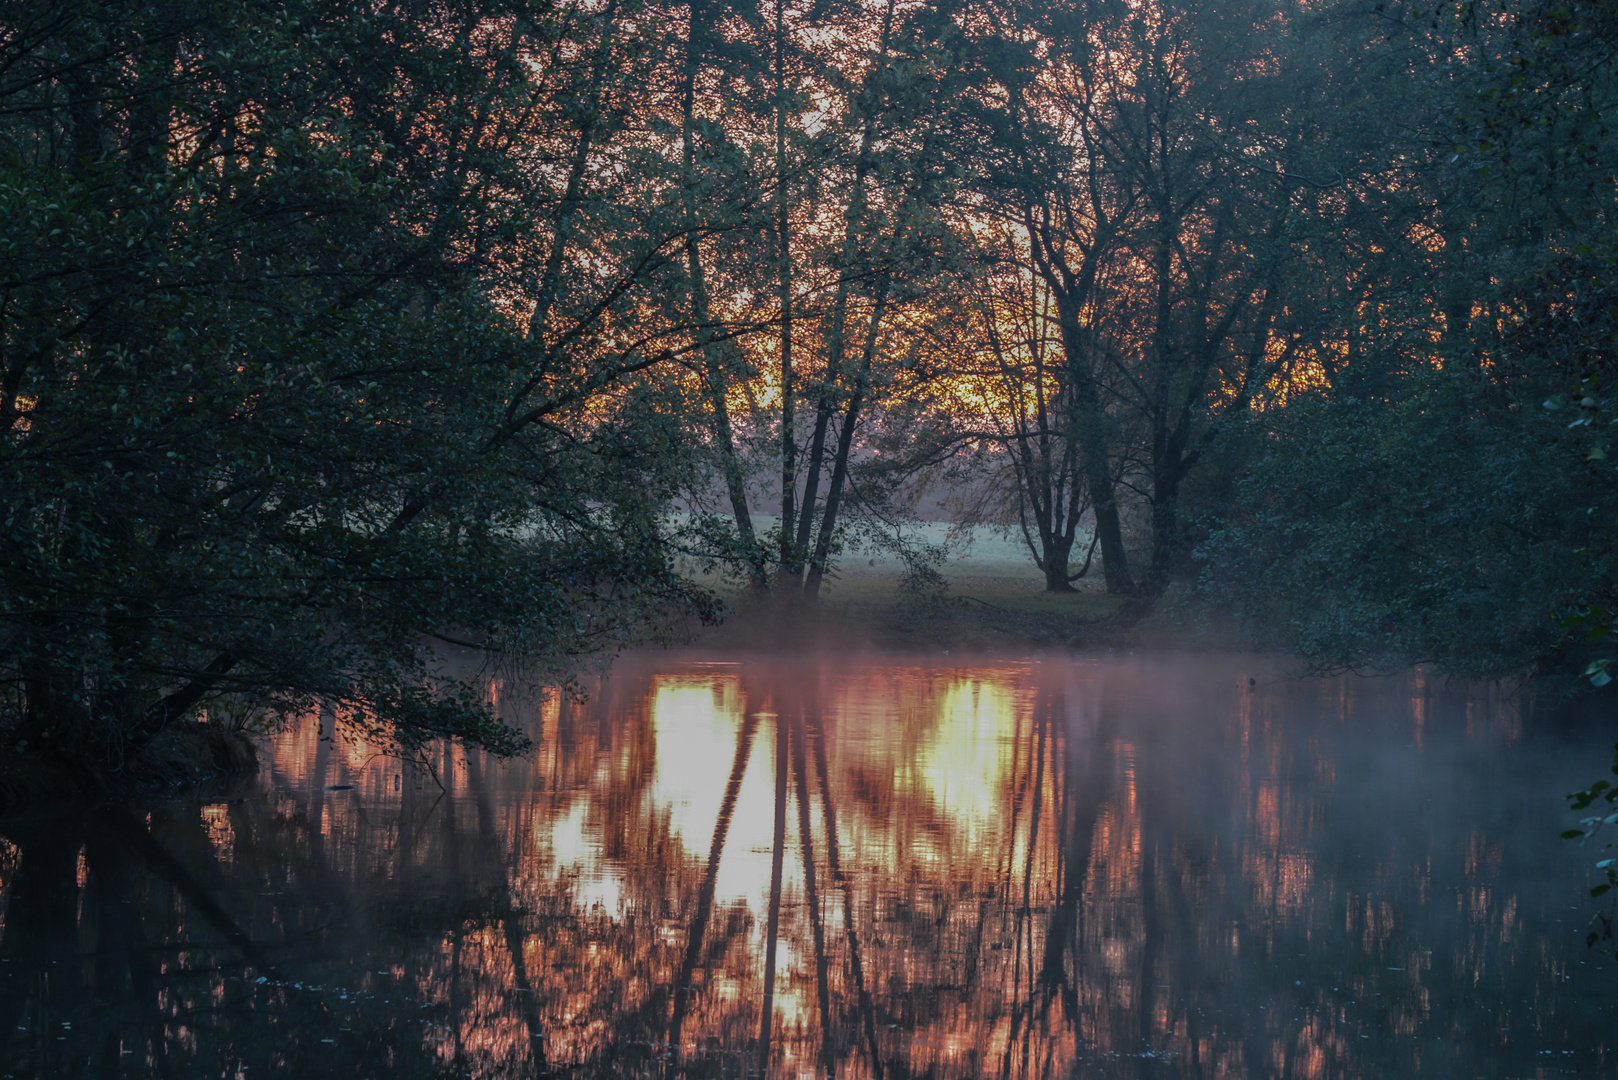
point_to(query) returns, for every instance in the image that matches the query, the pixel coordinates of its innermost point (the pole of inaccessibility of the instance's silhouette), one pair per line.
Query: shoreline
(875, 614)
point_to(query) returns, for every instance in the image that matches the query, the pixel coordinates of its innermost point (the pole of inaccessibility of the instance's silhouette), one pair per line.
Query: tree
(1420, 503)
(1142, 180)
(1013, 395)
(820, 147)
(306, 372)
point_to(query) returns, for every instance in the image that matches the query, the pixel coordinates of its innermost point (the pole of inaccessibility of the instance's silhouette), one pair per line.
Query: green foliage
(1602, 791)
(1443, 490)
(1439, 526)
(265, 427)
(1419, 504)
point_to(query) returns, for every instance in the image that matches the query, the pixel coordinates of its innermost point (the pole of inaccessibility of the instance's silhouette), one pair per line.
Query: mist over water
(1106, 867)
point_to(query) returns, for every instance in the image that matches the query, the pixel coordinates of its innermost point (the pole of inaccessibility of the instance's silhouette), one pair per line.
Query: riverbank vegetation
(336, 339)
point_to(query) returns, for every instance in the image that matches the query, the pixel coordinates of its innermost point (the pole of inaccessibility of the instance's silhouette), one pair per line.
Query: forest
(334, 336)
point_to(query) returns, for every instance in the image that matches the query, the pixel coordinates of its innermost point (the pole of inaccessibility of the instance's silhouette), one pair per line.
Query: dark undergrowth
(184, 754)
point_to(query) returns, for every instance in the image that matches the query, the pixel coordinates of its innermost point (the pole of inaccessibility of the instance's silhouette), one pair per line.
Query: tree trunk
(790, 560)
(837, 339)
(729, 462)
(1166, 538)
(845, 446)
(1057, 553)
(1091, 421)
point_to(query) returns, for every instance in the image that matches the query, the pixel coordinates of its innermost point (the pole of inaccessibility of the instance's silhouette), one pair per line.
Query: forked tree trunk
(1091, 420)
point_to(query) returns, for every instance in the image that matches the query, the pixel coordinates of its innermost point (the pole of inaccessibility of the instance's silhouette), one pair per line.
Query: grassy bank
(994, 598)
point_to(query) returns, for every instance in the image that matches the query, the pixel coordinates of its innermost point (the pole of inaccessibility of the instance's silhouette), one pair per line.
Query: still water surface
(1059, 867)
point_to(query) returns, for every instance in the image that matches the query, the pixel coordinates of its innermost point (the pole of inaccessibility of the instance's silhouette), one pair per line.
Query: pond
(859, 865)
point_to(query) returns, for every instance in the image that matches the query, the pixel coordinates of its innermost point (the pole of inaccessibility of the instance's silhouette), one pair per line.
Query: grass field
(994, 597)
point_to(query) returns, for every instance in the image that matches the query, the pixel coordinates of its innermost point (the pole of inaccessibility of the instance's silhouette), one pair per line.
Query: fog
(1041, 866)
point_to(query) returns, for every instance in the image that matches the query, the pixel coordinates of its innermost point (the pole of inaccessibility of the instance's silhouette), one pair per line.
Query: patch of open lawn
(994, 597)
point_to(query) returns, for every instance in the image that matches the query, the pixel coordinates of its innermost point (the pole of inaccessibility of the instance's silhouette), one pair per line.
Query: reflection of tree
(867, 1014)
(40, 939)
(1112, 891)
(699, 923)
(766, 1022)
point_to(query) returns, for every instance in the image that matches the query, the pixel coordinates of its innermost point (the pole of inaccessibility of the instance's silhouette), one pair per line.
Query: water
(1176, 867)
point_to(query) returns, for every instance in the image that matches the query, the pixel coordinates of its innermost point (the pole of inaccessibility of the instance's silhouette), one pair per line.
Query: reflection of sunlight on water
(965, 759)
(216, 819)
(794, 1006)
(592, 882)
(694, 723)
(744, 872)
(568, 844)
(1053, 869)
(696, 720)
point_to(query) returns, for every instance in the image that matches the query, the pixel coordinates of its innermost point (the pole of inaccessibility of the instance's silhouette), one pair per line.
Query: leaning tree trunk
(713, 369)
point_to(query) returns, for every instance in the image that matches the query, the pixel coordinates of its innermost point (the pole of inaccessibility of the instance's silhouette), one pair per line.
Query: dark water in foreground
(1029, 868)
